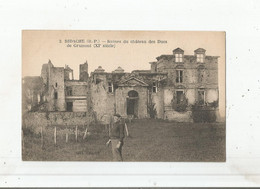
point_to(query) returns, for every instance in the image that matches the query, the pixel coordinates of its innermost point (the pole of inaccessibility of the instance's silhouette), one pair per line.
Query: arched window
(133, 93)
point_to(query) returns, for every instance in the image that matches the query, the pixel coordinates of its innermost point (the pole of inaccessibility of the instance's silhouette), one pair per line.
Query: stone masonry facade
(168, 90)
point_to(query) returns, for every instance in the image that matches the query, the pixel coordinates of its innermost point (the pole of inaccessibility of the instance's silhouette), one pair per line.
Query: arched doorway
(132, 103)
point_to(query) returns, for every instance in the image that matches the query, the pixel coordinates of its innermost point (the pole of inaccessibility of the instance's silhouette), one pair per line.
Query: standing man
(116, 136)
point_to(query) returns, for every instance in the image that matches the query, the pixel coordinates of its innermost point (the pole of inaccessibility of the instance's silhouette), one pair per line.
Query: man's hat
(117, 115)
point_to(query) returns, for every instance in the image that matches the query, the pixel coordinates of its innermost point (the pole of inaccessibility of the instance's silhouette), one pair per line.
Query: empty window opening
(69, 91)
(201, 97)
(179, 76)
(110, 87)
(70, 76)
(155, 87)
(201, 76)
(180, 96)
(69, 106)
(55, 95)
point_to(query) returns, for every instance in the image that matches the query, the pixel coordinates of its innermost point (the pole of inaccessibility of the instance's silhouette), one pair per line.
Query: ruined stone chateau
(168, 90)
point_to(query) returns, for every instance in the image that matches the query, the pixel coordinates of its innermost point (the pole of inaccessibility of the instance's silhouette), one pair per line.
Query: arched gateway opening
(132, 103)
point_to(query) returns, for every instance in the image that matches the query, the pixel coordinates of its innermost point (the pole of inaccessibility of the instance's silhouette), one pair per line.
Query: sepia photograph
(128, 96)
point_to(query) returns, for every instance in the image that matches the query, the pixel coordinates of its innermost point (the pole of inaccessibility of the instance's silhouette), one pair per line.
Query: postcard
(142, 96)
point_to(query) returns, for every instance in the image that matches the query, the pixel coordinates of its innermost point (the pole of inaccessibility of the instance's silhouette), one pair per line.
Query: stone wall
(35, 120)
(191, 96)
(157, 99)
(56, 85)
(79, 88)
(211, 95)
(32, 93)
(168, 96)
(178, 116)
(83, 72)
(102, 101)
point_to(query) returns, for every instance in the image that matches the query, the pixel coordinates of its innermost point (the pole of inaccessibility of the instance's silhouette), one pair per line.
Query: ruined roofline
(128, 73)
(154, 73)
(144, 71)
(112, 72)
(170, 56)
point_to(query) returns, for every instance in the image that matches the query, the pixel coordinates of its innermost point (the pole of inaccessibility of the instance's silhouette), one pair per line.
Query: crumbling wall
(56, 85)
(35, 120)
(213, 76)
(102, 101)
(79, 88)
(83, 72)
(45, 73)
(178, 116)
(168, 96)
(157, 99)
(76, 92)
(191, 96)
(191, 76)
(79, 105)
(211, 95)
(32, 93)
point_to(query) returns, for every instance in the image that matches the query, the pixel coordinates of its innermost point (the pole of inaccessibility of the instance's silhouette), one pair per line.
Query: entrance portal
(132, 103)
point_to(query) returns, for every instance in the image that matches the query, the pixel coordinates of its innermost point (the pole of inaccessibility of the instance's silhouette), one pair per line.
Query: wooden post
(109, 127)
(85, 134)
(126, 128)
(41, 137)
(76, 134)
(55, 135)
(67, 136)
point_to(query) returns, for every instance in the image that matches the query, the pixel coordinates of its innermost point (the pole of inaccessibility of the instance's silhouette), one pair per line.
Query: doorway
(132, 104)
(180, 96)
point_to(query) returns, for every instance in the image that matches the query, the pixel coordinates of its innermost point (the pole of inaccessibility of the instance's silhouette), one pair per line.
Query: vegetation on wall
(181, 106)
(151, 106)
(152, 110)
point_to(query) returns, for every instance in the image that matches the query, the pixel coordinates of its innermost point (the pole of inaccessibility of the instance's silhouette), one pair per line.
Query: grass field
(149, 140)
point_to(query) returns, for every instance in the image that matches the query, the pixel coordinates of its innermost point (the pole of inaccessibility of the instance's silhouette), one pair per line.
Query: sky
(40, 46)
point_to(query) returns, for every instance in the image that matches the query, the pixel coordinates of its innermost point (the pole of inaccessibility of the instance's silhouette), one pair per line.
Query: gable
(132, 82)
(178, 50)
(200, 50)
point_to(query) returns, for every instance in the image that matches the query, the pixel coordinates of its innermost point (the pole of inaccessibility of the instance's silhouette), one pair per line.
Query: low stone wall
(173, 115)
(36, 120)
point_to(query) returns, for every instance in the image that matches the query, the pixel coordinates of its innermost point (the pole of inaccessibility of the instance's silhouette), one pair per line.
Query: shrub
(180, 107)
(203, 113)
(152, 110)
